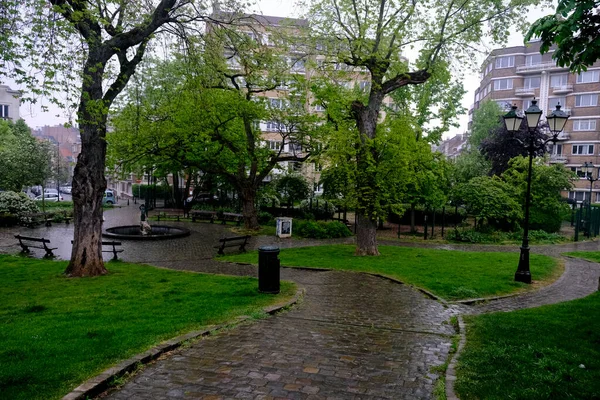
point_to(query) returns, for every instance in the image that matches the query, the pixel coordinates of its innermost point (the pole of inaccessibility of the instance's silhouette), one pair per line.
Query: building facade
(10, 100)
(517, 75)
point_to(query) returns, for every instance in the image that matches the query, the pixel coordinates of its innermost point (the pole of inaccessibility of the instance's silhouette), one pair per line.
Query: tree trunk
(88, 190)
(366, 236)
(413, 228)
(248, 197)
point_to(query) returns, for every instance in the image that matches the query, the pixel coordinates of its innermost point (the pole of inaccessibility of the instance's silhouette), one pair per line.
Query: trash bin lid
(269, 249)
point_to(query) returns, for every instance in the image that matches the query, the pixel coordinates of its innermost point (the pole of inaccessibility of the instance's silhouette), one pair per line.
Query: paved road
(353, 336)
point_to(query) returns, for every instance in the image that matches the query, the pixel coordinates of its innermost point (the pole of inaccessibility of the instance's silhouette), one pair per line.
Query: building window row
(559, 80)
(583, 149)
(532, 82)
(505, 62)
(581, 173)
(588, 77)
(586, 100)
(3, 111)
(584, 125)
(503, 84)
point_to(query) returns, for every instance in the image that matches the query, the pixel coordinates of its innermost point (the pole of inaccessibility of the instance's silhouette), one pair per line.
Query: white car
(49, 197)
(66, 189)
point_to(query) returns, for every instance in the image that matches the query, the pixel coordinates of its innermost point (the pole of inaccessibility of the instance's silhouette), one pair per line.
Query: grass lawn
(586, 255)
(449, 274)
(56, 332)
(550, 352)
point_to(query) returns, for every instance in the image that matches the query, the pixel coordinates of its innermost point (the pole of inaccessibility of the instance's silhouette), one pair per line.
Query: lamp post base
(523, 273)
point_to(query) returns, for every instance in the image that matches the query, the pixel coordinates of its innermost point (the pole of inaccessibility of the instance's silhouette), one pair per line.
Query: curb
(451, 370)
(100, 383)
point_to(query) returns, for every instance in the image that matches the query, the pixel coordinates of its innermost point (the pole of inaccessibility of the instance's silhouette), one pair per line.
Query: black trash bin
(268, 269)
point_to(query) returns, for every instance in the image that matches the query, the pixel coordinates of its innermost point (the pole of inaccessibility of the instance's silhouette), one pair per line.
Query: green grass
(56, 332)
(533, 354)
(593, 256)
(449, 274)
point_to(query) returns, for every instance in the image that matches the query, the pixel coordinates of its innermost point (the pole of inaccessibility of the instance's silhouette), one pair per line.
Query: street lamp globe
(512, 120)
(533, 114)
(557, 120)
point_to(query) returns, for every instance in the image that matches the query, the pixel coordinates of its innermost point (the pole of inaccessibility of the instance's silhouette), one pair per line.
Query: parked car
(49, 197)
(66, 189)
(109, 197)
(51, 191)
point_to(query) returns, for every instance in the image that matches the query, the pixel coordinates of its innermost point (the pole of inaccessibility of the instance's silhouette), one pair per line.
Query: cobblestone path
(353, 337)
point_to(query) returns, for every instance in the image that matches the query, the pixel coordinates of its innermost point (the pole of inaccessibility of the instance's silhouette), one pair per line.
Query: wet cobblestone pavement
(354, 336)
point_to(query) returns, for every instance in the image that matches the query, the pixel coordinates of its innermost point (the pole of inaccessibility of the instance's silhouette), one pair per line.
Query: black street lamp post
(556, 123)
(588, 169)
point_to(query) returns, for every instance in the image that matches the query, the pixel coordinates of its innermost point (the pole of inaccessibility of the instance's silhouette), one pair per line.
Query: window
(277, 103)
(488, 68)
(586, 100)
(364, 85)
(505, 62)
(274, 144)
(274, 126)
(504, 105)
(533, 59)
(552, 102)
(581, 173)
(318, 187)
(297, 65)
(579, 196)
(556, 150)
(583, 149)
(526, 104)
(3, 111)
(559, 80)
(319, 107)
(588, 76)
(584, 125)
(503, 84)
(532, 83)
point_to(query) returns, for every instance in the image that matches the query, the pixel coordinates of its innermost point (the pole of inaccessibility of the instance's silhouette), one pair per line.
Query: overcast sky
(285, 8)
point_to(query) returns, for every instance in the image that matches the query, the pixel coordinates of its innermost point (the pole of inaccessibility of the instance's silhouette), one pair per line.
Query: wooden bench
(36, 219)
(202, 214)
(114, 250)
(237, 218)
(169, 216)
(240, 241)
(66, 218)
(25, 246)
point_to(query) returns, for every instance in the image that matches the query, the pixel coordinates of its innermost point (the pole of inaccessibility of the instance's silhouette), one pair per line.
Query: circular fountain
(157, 232)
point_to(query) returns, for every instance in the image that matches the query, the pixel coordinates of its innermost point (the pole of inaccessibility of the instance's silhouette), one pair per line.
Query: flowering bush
(16, 204)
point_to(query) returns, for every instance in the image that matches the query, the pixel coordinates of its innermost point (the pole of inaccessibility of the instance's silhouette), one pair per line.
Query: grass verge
(56, 332)
(452, 275)
(550, 352)
(593, 256)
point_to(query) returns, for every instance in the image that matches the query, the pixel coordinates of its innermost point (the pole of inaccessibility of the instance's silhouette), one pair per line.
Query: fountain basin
(133, 232)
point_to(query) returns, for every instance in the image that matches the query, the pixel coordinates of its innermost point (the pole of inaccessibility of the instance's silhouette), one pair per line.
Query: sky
(285, 8)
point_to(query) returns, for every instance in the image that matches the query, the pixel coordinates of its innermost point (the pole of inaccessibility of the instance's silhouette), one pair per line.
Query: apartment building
(453, 147)
(517, 75)
(10, 100)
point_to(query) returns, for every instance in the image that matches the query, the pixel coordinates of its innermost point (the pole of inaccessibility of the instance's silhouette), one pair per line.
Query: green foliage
(321, 229)
(548, 352)
(160, 191)
(548, 208)
(292, 187)
(265, 218)
(486, 119)
(119, 315)
(491, 200)
(498, 237)
(321, 208)
(573, 31)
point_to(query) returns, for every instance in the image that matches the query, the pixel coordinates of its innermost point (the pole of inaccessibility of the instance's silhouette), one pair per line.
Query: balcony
(562, 89)
(545, 66)
(558, 158)
(525, 92)
(564, 136)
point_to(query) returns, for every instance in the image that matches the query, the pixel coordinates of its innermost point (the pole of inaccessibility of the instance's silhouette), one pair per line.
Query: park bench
(25, 245)
(237, 218)
(202, 214)
(34, 219)
(234, 241)
(66, 217)
(114, 250)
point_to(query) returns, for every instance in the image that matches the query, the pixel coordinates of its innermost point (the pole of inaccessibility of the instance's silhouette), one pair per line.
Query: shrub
(321, 209)
(7, 219)
(321, 230)
(265, 218)
(16, 204)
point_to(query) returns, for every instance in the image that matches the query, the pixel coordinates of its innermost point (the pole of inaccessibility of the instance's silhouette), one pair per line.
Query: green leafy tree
(574, 29)
(370, 37)
(292, 187)
(548, 207)
(98, 44)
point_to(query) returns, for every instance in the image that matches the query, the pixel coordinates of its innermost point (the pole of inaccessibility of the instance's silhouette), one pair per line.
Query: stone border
(100, 383)
(451, 370)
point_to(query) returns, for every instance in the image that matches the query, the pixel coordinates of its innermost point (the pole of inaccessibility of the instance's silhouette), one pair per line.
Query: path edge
(451, 370)
(100, 383)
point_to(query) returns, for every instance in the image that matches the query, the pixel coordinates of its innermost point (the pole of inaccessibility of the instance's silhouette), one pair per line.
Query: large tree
(575, 31)
(98, 44)
(373, 37)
